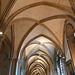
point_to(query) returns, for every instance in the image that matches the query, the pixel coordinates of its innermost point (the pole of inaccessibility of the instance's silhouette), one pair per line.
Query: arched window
(59, 64)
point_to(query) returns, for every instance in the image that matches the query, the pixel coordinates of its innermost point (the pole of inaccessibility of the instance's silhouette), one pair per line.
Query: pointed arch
(45, 37)
(63, 8)
(38, 4)
(40, 22)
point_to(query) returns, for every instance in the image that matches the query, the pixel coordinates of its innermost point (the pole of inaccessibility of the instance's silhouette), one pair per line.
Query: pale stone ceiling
(34, 15)
(31, 18)
(21, 3)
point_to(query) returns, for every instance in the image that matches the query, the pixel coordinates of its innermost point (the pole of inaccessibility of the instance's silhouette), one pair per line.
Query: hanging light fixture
(1, 33)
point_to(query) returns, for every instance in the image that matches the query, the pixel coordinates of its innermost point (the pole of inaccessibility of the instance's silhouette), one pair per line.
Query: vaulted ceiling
(25, 20)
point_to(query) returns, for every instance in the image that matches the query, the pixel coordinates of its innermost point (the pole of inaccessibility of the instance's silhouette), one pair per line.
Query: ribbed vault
(38, 36)
(38, 58)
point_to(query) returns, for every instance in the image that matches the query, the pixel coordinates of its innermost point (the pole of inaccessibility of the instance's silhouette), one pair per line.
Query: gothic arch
(34, 5)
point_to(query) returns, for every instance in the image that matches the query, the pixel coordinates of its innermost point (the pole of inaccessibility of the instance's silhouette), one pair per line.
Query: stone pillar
(48, 72)
(23, 67)
(13, 66)
(18, 67)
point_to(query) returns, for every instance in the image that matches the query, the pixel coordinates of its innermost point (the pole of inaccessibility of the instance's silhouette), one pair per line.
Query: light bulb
(1, 33)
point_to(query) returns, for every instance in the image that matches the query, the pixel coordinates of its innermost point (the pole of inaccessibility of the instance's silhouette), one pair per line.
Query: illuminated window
(60, 64)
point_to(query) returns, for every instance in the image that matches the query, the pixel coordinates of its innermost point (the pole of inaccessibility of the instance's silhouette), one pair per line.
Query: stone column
(48, 72)
(13, 66)
(18, 67)
(23, 66)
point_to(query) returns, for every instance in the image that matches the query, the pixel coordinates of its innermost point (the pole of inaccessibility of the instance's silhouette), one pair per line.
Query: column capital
(64, 58)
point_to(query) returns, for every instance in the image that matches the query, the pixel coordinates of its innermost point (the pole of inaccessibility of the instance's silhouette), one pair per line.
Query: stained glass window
(59, 64)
